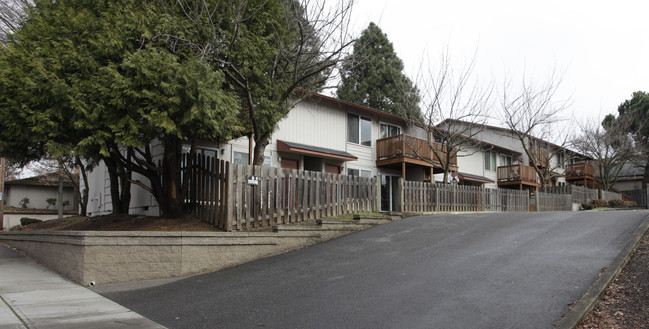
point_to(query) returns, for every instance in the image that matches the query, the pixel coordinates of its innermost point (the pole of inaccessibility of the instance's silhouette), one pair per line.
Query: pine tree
(373, 76)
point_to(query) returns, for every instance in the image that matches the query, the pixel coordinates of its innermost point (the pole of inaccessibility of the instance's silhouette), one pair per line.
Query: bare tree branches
(12, 14)
(610, 148)
(455, 109)
(532, 113)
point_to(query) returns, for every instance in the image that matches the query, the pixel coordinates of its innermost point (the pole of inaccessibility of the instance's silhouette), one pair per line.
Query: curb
(591, 297)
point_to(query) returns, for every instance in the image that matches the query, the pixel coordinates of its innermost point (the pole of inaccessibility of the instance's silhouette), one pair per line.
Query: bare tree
(455, 110)
(12, 14)
(270, 70)
(13, 170)
(533, 113)
(609, 146)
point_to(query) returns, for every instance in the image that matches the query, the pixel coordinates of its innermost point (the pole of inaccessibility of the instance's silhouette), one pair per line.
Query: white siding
(37, 196)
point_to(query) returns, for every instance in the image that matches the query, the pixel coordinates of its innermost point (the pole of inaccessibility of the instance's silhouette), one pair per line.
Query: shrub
(50, 202)
(66, 203)
(24, 202)
(630, 203)
(615, 203)
(598, 203)
(586, 206)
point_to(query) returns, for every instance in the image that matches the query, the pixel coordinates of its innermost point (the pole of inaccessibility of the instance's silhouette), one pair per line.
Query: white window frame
(490, 161)
(234, 157)
(388, 125)
(360, 129)
(359, 172)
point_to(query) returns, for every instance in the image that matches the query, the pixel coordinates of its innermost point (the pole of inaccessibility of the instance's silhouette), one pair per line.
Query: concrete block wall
(111, 257)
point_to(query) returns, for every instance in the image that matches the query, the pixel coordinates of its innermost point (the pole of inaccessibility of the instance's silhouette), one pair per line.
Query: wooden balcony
(408, 150)
(579, 170)
(583, 174)
(517, 176)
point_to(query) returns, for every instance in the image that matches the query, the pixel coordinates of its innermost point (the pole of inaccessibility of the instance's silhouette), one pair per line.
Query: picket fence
(426, 197)
(242, 197)
(554, 202)
(608, 195)
(639, 196)
(579, 194)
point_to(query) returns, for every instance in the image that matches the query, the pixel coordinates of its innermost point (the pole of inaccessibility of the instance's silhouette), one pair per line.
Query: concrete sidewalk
(35, 297)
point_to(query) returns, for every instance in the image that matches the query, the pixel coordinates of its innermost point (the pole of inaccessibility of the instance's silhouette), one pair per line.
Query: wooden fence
(554, 202)
(639, 196)
(579, 194)
(427, 197)
(284, 196)
(608, 196)
(238, 197)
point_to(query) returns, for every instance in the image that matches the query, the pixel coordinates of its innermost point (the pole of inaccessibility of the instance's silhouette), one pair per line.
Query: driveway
(498, 270)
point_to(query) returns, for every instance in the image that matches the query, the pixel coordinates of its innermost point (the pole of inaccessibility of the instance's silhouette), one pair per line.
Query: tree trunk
(83, 195)
(260, 147)
(60, 196)
(121, 200)
(172, 195)
(125, 187)
(645, 178)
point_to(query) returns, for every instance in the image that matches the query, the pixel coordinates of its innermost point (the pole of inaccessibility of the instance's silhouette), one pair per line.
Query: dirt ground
(122, 223)
(625, 304)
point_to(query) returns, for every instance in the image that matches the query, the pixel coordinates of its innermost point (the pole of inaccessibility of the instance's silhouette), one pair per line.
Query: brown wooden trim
(282, 147)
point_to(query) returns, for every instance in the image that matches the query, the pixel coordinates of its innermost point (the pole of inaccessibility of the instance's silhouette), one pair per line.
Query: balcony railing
(517, 172)
(580, 169)
(411, 147)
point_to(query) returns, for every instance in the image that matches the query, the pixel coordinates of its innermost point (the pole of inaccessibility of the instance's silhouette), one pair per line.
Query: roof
(42, 180)
(355, 106)
(507, 130)
(322, 152)
(474, 178)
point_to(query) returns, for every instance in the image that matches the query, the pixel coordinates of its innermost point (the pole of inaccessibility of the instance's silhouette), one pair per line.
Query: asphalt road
(501, 270)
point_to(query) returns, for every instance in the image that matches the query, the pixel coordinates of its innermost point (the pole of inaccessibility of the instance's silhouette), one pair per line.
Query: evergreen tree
(373, 76)
(90, 77)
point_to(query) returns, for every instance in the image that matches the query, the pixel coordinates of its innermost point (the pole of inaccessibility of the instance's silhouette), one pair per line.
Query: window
(387, 130)
(240, 158)
(490, 160)
(358, 172)
(505, 160)
(561, 160)
(200, 150)
(359, 130)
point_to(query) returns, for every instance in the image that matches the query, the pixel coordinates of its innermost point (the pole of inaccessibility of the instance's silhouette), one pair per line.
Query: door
(389, 193)
(332, 169)
(290, 164)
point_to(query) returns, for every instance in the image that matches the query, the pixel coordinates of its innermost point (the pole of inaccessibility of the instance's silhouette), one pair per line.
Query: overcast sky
(601, 45)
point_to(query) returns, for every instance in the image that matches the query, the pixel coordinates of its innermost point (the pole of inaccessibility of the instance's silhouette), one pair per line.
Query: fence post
(401, 195)
(377, 196)
(229, 196)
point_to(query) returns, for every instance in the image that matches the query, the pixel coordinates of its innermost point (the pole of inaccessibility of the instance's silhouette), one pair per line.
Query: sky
(600, 46)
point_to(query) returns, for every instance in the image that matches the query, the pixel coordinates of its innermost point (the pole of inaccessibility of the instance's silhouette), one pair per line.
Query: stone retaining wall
(111, 257)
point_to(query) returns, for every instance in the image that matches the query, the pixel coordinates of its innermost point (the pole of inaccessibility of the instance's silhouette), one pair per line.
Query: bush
(586, 206)
(598, 203)
(615, 203)
(26, 221)
(24, 202)
(50, 202)
(630, 203)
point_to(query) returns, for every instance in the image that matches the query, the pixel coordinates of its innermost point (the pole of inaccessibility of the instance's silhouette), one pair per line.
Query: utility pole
(2, 194)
